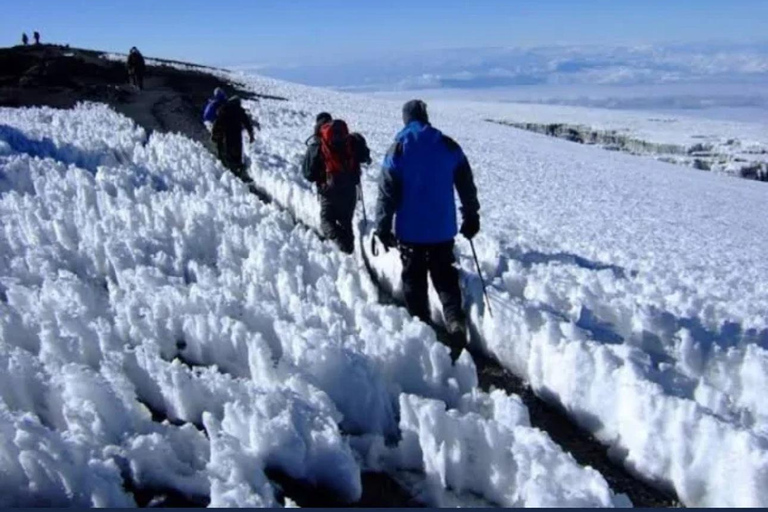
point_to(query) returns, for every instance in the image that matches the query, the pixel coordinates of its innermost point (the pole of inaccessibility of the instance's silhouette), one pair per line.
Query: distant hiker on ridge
(36, 35)
(419, 175)
(212, 107)
(24, 39)
(136, 68)
(332, 162)
(227, 133)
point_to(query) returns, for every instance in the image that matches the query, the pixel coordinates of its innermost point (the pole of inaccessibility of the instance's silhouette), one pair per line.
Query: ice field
(140, 281)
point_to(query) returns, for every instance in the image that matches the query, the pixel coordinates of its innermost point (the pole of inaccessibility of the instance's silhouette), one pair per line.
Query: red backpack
(337, 149)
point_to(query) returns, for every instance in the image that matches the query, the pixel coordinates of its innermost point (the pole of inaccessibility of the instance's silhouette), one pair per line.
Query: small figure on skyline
(136, 68)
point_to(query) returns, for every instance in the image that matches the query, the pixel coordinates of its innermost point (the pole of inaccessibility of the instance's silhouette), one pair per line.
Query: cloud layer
(482, 68)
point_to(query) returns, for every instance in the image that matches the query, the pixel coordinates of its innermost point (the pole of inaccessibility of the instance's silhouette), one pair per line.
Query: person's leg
(445, 278)
(236, 151)
(345, 216)
(328, 224)
(221, 151)
(414, 259)
(235, 157)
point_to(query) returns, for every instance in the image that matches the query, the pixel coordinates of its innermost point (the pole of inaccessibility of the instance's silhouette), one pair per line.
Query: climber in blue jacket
(419, 175)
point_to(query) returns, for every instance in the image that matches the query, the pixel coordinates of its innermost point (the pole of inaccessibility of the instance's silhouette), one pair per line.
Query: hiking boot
(457, 328)
(242, 173)
(457, 332)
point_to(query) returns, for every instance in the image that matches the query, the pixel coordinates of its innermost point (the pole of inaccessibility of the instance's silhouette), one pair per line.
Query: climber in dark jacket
(136, 68)
(419, 175)
(227, 133)
(338, 194)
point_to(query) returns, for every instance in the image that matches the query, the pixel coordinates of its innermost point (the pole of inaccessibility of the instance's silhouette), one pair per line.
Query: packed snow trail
(151, 254)
(652, 297)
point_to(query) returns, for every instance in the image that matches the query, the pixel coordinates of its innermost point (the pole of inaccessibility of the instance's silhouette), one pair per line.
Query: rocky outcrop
(60, 77)
(728, 157)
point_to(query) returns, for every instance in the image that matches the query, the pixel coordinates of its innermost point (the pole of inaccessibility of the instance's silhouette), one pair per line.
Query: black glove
(387, 239)
(470, 226)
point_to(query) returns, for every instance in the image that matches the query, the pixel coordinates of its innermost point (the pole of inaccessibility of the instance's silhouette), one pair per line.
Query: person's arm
(390, 192)
(464, 181)
(209, 112)
(465, 186)
(362, 152)
(216, 130)
(313, 164)
(245, 119)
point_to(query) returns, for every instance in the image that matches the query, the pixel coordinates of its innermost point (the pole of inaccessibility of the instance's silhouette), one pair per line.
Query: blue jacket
(211, 108)
(419, 174)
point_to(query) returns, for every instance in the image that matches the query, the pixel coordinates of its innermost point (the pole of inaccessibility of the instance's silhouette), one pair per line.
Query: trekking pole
(374, 251)
(362, 202)
(480, 273)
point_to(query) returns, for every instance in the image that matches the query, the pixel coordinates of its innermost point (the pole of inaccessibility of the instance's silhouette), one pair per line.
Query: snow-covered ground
(629, 291)
(160, 328)
(137, 275)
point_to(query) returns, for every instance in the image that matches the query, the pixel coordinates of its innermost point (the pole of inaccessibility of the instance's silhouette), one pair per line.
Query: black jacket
(231, 120)
(136, 62)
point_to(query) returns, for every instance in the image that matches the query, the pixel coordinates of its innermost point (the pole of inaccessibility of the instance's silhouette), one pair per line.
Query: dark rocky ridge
(60, 77)
(702, 156)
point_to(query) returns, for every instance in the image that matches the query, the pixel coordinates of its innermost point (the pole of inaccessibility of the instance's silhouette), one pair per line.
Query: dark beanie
(320, 120)
(323, 117)
(415, 110)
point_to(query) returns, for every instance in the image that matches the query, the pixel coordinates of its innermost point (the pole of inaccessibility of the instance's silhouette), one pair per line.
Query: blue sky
(305, 31)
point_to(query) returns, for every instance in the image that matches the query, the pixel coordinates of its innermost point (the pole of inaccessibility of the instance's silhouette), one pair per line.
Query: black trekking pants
(136, 78)
(437, 259)
(231, 155)
(337, 210)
